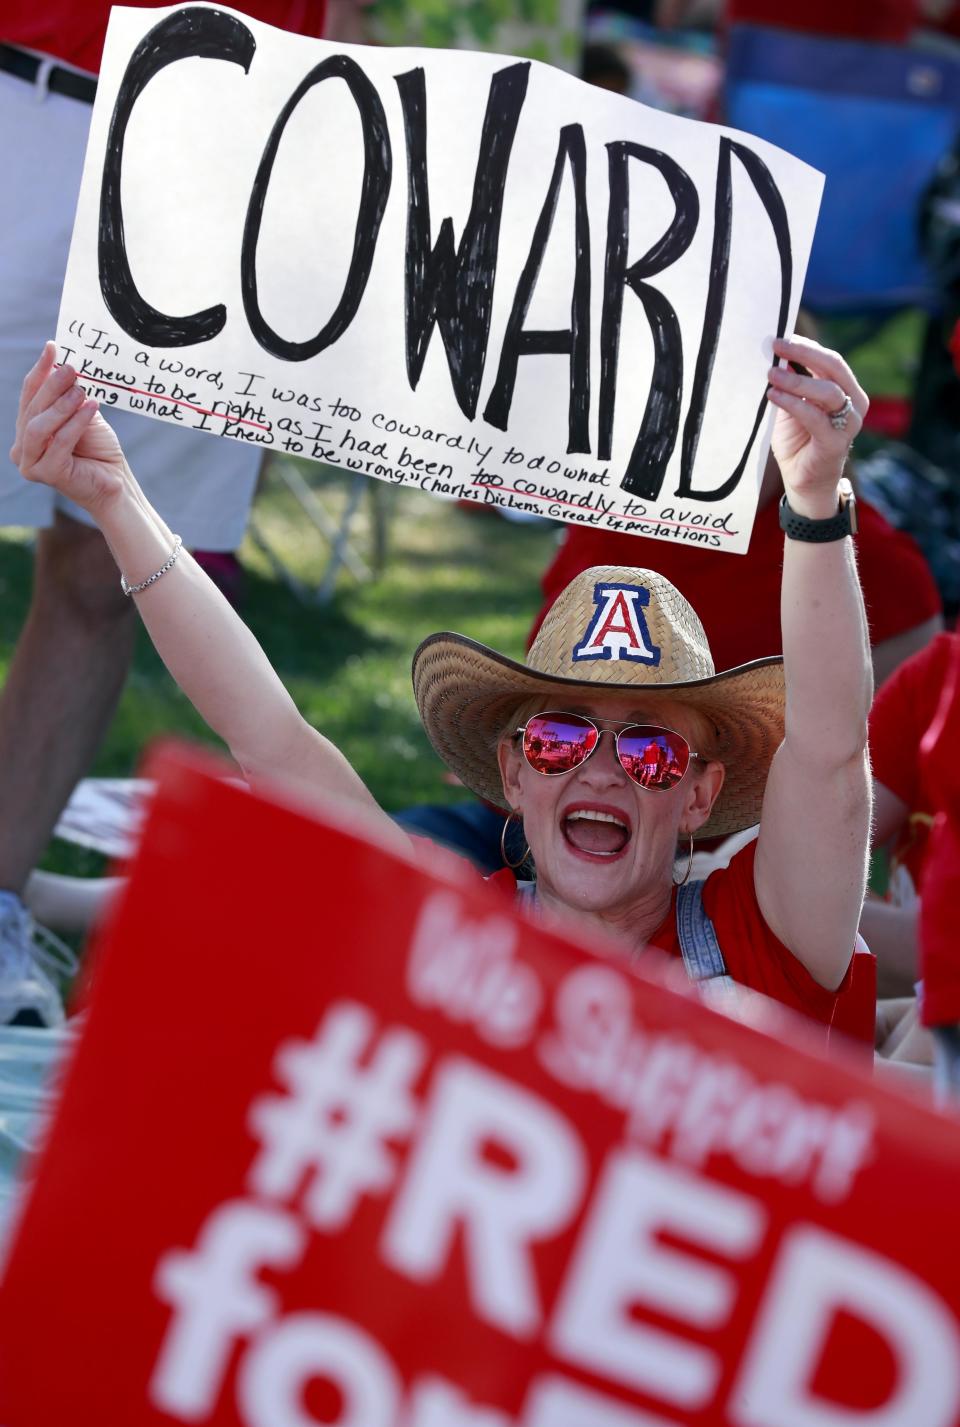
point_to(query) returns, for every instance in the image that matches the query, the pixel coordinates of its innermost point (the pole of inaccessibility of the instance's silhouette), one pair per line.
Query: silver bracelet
(145, 584)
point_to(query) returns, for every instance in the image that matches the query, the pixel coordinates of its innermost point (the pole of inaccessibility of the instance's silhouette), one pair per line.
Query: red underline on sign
(640, 519)
(177, 401)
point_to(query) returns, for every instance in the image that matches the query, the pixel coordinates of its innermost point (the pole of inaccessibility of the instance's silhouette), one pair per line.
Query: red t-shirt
(940, 769)
(889, 20)
(757, 959)
(738, 596)
(902, 712)
(75, 32)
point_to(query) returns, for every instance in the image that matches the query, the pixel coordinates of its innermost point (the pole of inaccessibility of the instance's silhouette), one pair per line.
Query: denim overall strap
(702, 956)
(527, 898)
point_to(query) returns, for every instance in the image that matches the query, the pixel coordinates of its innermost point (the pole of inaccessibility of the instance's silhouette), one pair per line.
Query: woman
(623, 655)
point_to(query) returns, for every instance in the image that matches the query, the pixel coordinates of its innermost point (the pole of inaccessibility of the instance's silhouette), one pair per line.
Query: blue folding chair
(876, 119)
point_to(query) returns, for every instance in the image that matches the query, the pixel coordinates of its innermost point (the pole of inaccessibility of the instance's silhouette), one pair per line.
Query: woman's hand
(809, 449)
(63, 441)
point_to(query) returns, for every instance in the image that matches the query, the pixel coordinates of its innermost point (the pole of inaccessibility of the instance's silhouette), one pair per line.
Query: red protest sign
(347, 1142)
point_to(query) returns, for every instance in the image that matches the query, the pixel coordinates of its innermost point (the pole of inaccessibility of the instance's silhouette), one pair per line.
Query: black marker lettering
(574, 340)
(377, 167)
(447, 287)
(208, 34)
(661, 418)
(769, 195)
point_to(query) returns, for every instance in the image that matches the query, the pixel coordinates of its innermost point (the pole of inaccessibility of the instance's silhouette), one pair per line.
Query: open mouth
(596, 833)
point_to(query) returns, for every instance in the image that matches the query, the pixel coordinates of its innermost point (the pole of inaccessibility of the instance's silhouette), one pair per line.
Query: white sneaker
(28, 953)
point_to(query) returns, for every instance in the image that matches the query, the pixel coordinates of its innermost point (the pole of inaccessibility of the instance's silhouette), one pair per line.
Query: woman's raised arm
(815, 828)
(64, 442)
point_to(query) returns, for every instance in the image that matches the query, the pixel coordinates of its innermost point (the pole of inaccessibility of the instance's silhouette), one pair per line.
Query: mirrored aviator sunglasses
(654, 758)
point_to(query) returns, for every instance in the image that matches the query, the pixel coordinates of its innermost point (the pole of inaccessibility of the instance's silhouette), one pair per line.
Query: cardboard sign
(460, 272)
(348, 1142)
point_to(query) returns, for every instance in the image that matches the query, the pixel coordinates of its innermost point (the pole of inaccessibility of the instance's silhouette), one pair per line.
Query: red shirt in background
(940, 904)
(73, 30)
(738, 596)
(887, 21)
(902, 712)
(890, 21)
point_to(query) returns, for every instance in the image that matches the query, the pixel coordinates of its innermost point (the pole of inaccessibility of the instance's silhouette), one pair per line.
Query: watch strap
(816, 532)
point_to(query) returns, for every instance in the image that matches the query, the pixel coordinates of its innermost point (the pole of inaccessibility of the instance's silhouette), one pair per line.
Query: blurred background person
(76, 646)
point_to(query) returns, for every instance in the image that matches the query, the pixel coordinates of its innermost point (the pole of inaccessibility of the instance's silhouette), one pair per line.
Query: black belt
(59, 80)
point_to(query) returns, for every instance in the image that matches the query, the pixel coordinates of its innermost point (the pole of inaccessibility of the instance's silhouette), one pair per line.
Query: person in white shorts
(75, 648)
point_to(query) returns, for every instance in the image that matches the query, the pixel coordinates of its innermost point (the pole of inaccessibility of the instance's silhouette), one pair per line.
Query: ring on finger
(838, 418)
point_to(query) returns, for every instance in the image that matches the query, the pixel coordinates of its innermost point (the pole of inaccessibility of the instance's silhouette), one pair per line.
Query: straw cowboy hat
(613, 629)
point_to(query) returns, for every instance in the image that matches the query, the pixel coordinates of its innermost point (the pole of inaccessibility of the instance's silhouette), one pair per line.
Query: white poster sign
(461, 272)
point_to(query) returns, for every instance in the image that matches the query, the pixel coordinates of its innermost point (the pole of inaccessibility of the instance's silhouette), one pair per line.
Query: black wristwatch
(818, 532)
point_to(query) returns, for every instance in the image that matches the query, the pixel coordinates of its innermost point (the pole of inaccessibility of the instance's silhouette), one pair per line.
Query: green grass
(883, 353)
(347, 663)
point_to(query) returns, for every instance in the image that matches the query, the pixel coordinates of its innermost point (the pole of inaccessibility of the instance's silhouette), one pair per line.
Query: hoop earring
(503, 843)
(686, 874)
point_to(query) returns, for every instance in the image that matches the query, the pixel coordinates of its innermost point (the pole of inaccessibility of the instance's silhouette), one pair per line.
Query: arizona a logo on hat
(618, 629)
